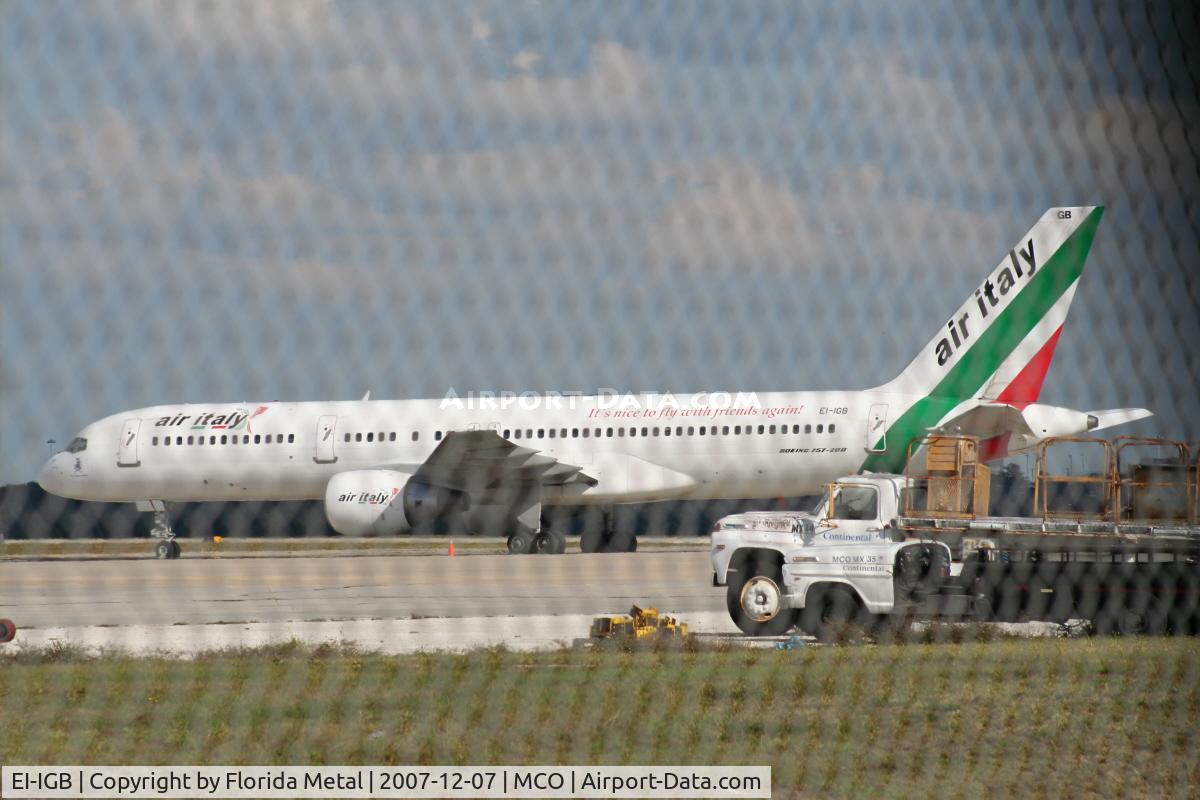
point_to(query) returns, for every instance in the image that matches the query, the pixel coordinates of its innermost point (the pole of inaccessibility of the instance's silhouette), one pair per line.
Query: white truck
(879, 550)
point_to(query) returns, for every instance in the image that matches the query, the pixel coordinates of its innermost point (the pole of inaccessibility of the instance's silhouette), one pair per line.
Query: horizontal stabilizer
(1006, 429)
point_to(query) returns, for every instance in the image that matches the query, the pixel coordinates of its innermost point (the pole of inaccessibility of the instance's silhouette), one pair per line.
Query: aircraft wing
(474, 460)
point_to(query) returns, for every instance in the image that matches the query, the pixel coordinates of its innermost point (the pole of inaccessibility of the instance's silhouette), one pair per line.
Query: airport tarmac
(390, 602)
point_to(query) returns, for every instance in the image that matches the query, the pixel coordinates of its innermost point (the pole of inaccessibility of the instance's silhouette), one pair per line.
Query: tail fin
(998, 345)
(1000, 342)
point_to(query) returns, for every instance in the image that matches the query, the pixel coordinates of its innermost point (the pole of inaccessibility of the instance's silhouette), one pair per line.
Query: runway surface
(438, 602)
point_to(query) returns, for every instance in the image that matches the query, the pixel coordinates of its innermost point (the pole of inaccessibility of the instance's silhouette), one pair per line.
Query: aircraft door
(877, 428)
(127, 449)
(326, 436)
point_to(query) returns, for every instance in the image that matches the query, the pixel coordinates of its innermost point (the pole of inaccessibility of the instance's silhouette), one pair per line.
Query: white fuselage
(639, 449)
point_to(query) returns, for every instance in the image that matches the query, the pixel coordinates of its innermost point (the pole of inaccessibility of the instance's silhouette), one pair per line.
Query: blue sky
(228, 201)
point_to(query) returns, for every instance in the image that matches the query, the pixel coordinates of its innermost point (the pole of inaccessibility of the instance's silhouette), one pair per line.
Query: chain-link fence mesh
(232, 204)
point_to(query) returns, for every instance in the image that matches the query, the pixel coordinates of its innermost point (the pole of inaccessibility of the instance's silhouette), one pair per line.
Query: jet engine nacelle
(385, 502)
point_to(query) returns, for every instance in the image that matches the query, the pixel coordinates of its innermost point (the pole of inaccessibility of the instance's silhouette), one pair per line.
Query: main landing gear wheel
(7, 630)
(592, 541)
(168, 549)
(520, 542)
(550, 543)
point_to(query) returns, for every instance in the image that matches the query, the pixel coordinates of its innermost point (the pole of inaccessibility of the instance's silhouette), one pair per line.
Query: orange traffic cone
(451, 547)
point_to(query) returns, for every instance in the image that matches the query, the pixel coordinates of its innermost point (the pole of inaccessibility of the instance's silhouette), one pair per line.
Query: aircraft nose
(51, 476)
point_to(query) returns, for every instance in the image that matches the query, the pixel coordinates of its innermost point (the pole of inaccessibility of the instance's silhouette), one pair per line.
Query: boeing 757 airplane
(488, 464)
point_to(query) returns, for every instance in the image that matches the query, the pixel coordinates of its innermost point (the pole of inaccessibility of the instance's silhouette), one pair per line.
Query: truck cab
(845, 562)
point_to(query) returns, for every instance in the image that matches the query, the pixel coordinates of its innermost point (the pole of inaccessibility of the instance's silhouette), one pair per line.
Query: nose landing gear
(167, 547)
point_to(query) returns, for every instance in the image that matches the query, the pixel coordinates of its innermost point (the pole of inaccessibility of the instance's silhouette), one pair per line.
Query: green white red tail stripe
(999, 344)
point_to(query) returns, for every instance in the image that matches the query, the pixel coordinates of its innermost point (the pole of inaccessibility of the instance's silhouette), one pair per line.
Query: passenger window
(831, 427)
(191, 440)
(701, 430)
(380, 438)
(808, 428)
(820, 429)
(620, 431)
(666, 431)
(656, 431)
(212, 440)
(346, 437)
(562, 434)
(541, 433)
(610, 433)
(416, 436)
(679, 430)
(761, 428)
(166, 441)
(517, 433)
(856, 503)
(586, 431)
(392, 436)
(552, 433)
(257, 438)
(246, 438)
(154, 440)
(267, 438)
(725, 430)
(292, 438)
(737, 430)
(574, 433)
(691, 431)
(645, 431)
(771, 429)
(506, 432)
(370, 437)
(437, 436)
(529, 433)
(224, 439)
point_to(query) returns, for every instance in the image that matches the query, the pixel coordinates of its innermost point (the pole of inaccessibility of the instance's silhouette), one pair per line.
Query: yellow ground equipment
(640, 623)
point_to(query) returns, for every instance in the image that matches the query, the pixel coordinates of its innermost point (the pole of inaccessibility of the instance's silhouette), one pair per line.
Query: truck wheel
(756, 600)
(894, 628)
(7, 630)
(1142, 614)
(833, 615)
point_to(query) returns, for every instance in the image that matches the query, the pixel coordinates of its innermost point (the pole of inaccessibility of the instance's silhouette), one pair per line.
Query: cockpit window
(77, 445)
